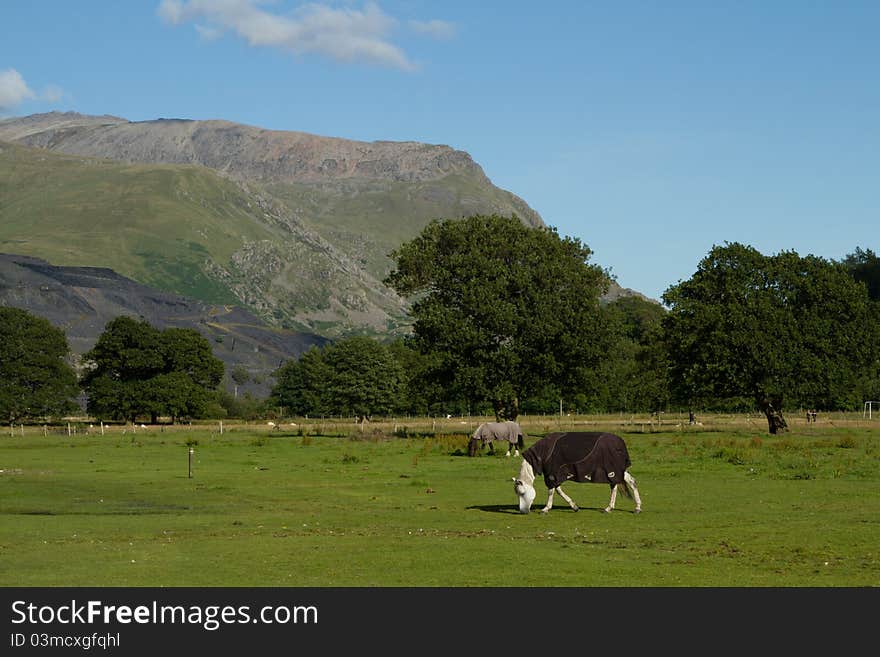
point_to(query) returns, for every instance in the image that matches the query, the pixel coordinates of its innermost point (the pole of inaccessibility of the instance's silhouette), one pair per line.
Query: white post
(221, 427)
(68, 428)
(102, 427)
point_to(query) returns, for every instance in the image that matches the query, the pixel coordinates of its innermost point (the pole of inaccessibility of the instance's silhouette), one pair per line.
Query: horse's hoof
(637, 511)
(606, 510)
(543, 510)
(575, 508)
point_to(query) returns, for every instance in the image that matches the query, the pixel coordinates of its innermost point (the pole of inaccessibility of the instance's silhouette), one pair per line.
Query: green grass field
(724, 504)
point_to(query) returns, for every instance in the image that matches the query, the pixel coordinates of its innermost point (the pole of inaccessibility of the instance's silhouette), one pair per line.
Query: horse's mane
(526, 473)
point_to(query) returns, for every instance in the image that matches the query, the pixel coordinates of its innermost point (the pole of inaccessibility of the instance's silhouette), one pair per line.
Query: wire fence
(411, 426)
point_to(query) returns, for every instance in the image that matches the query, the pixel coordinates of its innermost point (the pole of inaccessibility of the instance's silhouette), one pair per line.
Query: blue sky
(650, 130)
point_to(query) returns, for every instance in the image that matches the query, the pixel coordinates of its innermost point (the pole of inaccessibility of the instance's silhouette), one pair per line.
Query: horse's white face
(526, 494)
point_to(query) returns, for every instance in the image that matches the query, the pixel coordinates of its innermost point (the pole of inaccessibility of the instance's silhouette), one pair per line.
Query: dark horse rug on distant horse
(585, 456)
(488, 432)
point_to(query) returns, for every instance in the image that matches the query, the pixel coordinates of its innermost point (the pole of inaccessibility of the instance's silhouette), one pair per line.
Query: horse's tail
(520, 442)
(472, 446)
(628, 484)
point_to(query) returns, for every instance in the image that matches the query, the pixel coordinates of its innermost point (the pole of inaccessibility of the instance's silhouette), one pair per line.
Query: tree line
(508, 319)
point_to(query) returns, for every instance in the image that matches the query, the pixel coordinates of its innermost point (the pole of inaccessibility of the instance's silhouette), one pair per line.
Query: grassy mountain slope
(147, 223)
(295, 227)
(368, 219)
(183, 229)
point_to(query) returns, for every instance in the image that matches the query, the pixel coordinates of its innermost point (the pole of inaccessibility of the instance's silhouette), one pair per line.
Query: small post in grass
(191, 462)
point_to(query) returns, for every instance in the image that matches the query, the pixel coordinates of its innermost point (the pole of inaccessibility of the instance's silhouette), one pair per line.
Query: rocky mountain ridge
(241, 151)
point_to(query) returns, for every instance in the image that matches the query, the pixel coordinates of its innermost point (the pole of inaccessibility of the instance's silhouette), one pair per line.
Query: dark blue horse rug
(582, 456)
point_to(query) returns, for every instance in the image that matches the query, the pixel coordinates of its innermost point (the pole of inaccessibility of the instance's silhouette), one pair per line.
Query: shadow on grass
(495, 508)
(513, 509)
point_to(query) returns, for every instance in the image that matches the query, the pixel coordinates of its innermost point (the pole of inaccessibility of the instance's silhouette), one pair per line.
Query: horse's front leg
(549, 504)
(611, 502)
(630, 482)
(568, 499)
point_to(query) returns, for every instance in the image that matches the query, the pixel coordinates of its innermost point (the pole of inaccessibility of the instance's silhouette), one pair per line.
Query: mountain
(295, 227)
(81, 300)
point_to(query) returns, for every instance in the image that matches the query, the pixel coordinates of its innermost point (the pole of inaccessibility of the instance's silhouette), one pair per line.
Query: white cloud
(13, 89)
(343, 34)
(171, 11)
(208, 33)
(435, 28)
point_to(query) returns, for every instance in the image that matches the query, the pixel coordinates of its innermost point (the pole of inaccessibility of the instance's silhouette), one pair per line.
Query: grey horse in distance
(488, 432)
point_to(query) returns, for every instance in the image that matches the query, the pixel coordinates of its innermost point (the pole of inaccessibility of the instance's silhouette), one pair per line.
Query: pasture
(324, 504)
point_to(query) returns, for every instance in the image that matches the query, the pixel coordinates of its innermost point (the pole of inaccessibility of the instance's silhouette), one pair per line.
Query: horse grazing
(488, 432)
(582, 456)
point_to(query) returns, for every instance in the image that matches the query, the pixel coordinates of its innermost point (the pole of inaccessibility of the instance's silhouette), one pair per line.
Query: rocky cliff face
(241, 151)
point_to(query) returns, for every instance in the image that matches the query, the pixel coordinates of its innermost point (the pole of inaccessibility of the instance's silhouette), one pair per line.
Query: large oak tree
(502, 309)
(777, 329)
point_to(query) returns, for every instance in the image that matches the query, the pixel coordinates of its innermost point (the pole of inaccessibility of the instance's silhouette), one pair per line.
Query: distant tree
(501, 309)
(355, 376)
(176, 395)
(245, 407)
(865, 267)
(421, 393)
(186, 351)
(300, 384)
(240, 376)
(35, 378)
(126, 354)
(190, 375)
(365, 378)
(136, 369)
(640, 317)
(636, 368)
(774, 328)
